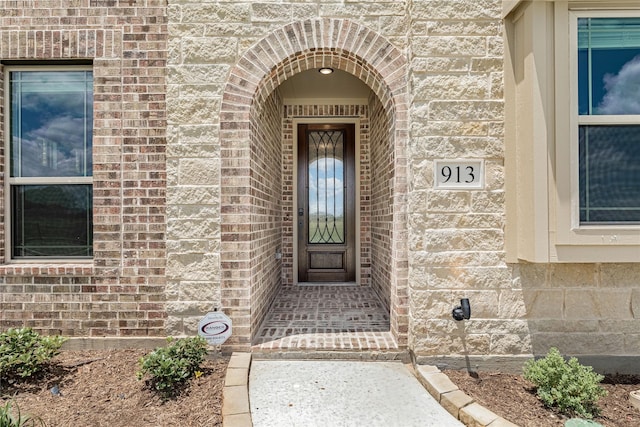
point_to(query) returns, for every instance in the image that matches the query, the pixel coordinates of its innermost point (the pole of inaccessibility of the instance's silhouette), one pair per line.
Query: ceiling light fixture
(325, 70)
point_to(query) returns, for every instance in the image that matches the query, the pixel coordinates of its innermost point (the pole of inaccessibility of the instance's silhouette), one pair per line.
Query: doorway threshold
(325, 317)
(327, 284)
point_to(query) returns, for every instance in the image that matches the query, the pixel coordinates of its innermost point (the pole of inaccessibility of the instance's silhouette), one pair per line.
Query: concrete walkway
(341, 393)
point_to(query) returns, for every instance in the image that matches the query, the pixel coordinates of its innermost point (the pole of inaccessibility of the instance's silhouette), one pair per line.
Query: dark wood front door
(326, 203)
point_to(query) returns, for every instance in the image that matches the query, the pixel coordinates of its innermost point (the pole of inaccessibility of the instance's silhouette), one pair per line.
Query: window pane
(51, 123)
(52, 220)
(326, 187)
(609, 174)
(609, 66)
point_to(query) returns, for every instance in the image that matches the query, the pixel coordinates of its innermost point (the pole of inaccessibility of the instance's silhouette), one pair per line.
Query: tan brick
(455, 400)
(475, 415)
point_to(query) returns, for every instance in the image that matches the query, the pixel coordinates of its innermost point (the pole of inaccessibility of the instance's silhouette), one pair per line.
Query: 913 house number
(459, 174)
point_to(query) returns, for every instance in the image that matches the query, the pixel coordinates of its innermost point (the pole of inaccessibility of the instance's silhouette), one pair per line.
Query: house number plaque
(459, 175)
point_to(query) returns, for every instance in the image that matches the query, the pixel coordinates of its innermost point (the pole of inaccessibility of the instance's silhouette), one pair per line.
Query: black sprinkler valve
(463, 311)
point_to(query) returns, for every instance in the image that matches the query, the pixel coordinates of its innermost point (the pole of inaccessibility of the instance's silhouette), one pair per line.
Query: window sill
(50, 268)
(591, 254)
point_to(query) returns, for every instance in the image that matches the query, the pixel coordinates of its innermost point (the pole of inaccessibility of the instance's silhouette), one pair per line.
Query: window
(608, 65)
(572, 131)
(49, 148)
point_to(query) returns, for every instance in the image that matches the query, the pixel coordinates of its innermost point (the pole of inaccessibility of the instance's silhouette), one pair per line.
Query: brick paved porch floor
(325, 317)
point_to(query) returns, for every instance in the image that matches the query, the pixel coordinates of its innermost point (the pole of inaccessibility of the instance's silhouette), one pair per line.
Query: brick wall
(266, 201)
(252, 78)
(331, 112)
(122, 291)
(381, 202)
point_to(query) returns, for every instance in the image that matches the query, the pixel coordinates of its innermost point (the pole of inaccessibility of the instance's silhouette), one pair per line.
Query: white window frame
(541, 138)
(575, 241)
(13, 181)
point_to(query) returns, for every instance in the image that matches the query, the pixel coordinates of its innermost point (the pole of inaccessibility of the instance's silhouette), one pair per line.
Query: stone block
(573, 275)
(475, 415)
(544, 304)
(437, 384)
(449, 46)
(454, 401)
(434, 10)
(269, 12)
(205, 50)
(236, 376)
(615, 304)
(198, 172)
(490, 201)
(450, 87)
(469, 28)
(448, 201)
(620, 275)
(237, 420)
(362, 9)
(580, 343)
(196, 74)
(193, 266)
(510, 344)
(467, 110)
(581, 304)
(511, 305)
(501, 422)
(464, 240)
(235, 400)
(215, 12)
(199, 291)
(240, 360)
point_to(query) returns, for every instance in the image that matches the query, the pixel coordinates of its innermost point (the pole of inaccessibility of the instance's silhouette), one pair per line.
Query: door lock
(300, 212)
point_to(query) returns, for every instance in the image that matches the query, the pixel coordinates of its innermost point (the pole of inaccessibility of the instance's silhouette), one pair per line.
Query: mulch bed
(513, 398)
(100, 388)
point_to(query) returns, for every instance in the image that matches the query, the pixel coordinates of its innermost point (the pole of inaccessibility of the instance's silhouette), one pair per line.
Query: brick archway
(297, 47)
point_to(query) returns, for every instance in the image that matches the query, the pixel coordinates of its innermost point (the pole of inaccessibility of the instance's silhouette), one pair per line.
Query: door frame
(328, 120)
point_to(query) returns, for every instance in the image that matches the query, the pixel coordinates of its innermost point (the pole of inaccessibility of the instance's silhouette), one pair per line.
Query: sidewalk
(341, 393)
(331, 393)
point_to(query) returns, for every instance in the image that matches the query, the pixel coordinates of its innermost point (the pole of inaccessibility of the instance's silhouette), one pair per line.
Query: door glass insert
(326, 187)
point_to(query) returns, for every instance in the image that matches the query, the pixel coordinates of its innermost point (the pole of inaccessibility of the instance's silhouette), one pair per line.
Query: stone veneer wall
(122, 292)
(292, 112)
(456, 237)
(437, 68)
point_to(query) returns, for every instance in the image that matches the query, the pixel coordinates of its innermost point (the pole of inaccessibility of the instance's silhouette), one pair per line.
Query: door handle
(300, 212)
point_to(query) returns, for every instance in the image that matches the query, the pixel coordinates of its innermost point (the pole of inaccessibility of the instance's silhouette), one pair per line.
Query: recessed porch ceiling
(311, 84)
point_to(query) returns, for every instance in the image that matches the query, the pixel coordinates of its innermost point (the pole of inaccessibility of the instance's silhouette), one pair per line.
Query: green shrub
(567, 385)
(171, 367)
(10, 416)
(23, 352)
(579, 422)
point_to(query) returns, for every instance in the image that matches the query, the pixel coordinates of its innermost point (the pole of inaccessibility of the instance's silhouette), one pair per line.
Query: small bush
(171, 367)
(569, 386)
(10, 416)
(23, 352)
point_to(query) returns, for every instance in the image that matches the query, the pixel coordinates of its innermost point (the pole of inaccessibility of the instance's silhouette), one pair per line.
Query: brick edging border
(235, 394)
(455, 401)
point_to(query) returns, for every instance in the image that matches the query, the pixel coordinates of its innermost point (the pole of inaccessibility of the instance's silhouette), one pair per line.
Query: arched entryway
(257, 130)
